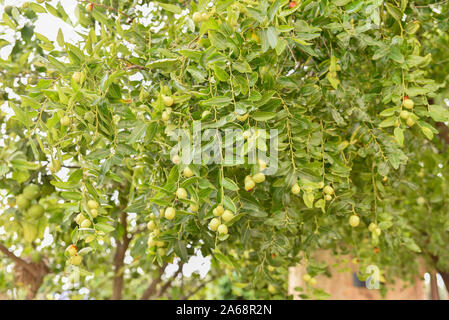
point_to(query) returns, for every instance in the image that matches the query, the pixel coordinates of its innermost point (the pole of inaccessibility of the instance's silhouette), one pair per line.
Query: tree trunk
(341, 286)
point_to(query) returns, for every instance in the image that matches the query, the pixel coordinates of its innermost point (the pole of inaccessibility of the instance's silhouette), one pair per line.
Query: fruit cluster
(28, 203)
(220, 213)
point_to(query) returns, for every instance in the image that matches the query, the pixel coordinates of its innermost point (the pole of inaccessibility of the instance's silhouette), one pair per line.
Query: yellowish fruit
(188, 172)
(165, 116)
(151, 225)
(249, 183)
(312, 282)
(94, 213)
(328, 190)
(271, 289)
(408, 103)
(161, 251)
(218, 211)
(35, 211)
(228, 215)
(354, 220)
(196, 17)
(80, 218)
(159, 244)
(65, 121)
(372, 226)
(168, 101)
(296, 188)
(22, 202)
(421, 201)
(151, 242)
(410, 122)
(259, 177)
(170, 213)
(181, 193)
(377, 231)
(85, 224)
(92, 204)
(222, 229)
(156, 232)
(193, 207)
(89, 7)
(214, 224)
(76, 77)
(31, 192)
(328, 197)
(404, 114)
(306, 277)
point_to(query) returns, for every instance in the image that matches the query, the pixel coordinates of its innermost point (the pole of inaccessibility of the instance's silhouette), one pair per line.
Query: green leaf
(170, 7)
(229, 184)
(399, 135)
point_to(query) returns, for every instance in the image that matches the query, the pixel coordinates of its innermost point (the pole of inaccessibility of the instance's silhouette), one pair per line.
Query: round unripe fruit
(85, 224)
(76, 260)
(410, 122)
(170, 213)
(65, 121)
(204, 16)
(354, 220)
(408, 103)
(92, 204)
(214, 224)
(35, 211)
(421, 200)
(271, 268)
(404, 114)
(249, 183)
(165, 116)
(222, 229)
(228, 215)
(94, 213)
(193, 207)
(259, 177)
(89, 7)
(377, 231)
(306, 277)
(188, 172)
(296, 189)
(242, 117)
(151, 242)
(328, 190)
(218, 211)
(271, 289)
(151, 225)
(76, 77)
(80, 218)
(181, 193)
(168, 101)
(161, 251)
(372, 226)
(31, 192)
(196, 17)
(312, 282)
(159, 244)
(328, 197)
(22, 202)
(72, 250)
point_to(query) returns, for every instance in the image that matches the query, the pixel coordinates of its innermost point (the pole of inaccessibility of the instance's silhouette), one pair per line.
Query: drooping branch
(119, 258)
(151, 290)
(18, 260)
(187, 296)
(169, 282)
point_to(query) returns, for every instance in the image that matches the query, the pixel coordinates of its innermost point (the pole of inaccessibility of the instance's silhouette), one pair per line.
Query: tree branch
(150, 291)
(434, 294)
(169, 282)
(18, 260)
(187, 296)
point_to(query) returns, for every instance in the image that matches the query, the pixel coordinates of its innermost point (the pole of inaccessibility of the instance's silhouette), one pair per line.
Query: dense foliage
(355, 89)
